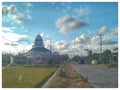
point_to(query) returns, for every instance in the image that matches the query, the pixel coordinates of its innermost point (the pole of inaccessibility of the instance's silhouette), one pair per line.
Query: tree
(89, 53)
(106, 56)
(65, 57)
(5, 58)
(76, 58)
(90, 56)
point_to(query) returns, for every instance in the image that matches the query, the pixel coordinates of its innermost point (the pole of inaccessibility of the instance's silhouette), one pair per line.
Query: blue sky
(64, 23)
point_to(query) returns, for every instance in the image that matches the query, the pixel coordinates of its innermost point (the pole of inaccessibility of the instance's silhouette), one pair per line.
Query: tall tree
(106, 56)
(76, 58)
(5, 58)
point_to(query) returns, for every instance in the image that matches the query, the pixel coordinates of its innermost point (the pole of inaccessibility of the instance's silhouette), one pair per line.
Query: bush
(62, 72)
(83, 78)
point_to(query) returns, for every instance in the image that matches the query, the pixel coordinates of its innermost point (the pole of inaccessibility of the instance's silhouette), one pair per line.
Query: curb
(47, 83)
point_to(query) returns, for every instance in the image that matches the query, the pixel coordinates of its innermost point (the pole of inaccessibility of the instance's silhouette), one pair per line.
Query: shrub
(83, 78)
(62, 72)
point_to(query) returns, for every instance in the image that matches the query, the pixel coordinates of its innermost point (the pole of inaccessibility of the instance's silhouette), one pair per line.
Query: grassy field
(30, 76)
(69, 78)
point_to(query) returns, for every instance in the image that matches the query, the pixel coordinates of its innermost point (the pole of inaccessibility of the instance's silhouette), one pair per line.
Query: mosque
(39, 54)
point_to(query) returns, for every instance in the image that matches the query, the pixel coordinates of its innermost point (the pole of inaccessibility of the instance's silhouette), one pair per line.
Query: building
(39, 54)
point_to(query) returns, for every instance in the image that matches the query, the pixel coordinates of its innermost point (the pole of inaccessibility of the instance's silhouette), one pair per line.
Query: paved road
(98, 76)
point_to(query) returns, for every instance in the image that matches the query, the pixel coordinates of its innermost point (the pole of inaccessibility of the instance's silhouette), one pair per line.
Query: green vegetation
(68, 78)
(107, 57)
(5, 59)
(76, 58)
(30, 76)
(113, 66)
(62, 72)
(18, 59)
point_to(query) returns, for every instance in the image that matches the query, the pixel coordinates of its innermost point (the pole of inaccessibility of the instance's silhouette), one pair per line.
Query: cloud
(63, 6)
(108, 41)
(61, 45)
(44, 35)
(78, 45)
(47, 44)
(7, 29)
(13, 42)
(82, 11)
(64, 47)
(13, 37)
(95, 40)
(27, 6)
(114, 31)
(82, 39)
(9, 9)
(102, 30)
(68, 23)
(13, 13)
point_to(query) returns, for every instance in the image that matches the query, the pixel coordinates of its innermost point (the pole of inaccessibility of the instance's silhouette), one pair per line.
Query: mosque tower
(38, 42)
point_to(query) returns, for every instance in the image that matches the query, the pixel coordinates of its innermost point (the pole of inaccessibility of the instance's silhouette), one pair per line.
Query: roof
(39, 49)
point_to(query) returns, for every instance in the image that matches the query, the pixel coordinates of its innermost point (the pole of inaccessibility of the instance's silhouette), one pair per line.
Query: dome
(38, 41)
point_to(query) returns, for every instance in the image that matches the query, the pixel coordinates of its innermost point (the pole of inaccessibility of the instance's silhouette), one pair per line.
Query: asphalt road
(99, 77)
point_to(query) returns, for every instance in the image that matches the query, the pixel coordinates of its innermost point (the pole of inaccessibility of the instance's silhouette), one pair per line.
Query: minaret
(38, 42)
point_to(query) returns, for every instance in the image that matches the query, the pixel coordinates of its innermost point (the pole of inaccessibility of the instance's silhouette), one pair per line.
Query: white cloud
(9, 9)
(13, 13)
(61, 45)
(103, 30)
(10, 43)
(7, 29)
(114, 31)
(28, 5)
(82, 39)
(94, 43)
(13, 37)
(108, 41)
(64, 47)
(82, 11)
(47, 44)
(44, 35)
(68, 23)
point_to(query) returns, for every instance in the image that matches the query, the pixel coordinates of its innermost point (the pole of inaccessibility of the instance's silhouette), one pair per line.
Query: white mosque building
(39, 54)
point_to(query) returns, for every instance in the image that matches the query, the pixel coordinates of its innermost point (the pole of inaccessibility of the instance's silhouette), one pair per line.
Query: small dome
(38, 41)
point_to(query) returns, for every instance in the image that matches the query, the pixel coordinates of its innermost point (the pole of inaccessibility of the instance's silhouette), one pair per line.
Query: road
(99, 77)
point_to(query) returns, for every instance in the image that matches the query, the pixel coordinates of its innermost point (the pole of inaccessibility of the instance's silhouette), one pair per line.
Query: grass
(70, 80)
(109, 66)
(31, 76)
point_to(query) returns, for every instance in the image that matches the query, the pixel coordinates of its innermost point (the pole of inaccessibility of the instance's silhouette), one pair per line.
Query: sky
(71, 27)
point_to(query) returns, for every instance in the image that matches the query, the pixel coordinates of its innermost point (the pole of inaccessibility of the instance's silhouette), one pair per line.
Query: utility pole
(100, 46)
(81, 52)
(50, 45)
